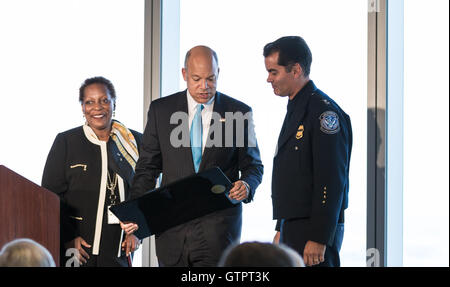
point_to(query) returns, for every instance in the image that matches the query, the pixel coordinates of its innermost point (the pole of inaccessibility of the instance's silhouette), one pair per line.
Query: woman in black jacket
(91, 168)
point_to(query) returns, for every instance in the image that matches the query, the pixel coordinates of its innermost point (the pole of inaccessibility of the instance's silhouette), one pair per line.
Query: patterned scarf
(125, 142)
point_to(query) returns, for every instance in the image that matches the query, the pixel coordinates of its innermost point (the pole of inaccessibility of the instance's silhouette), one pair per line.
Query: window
(426, 134)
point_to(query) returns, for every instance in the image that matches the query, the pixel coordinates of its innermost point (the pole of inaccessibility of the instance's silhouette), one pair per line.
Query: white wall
(48, 48)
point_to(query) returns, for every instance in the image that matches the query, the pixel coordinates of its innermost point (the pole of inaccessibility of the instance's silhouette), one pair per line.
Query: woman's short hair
(25, 252)
(97, 80)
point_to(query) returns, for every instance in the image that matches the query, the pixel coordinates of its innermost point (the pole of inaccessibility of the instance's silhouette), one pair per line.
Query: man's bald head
(202, 51)
(201, 72)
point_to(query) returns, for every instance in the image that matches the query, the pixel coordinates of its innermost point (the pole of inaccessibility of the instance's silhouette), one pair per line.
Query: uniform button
(323, 202)
(296, 148)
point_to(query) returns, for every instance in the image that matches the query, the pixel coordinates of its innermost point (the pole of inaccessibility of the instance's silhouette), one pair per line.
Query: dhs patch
(329, 122)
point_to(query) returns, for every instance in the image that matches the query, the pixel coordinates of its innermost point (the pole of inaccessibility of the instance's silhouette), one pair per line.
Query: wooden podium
(28, 211)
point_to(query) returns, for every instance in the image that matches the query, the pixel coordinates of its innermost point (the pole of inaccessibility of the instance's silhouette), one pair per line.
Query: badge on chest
(300, 130)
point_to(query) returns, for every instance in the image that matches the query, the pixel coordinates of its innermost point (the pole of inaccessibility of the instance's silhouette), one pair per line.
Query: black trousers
(196, 250)
(294, 232)
(205, 240)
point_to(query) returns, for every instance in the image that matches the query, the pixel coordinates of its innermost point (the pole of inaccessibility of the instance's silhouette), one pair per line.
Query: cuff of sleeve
(247, 186)
(278, 226)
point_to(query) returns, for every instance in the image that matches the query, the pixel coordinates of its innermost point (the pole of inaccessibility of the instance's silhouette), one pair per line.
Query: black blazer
(73, 171)
(311, 167)
(159, 156)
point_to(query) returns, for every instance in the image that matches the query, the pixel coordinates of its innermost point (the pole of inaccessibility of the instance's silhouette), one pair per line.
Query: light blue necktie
(196, 137)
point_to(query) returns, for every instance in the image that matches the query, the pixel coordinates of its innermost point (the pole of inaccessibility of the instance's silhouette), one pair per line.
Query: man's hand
(77, 243)
(130, 244)
(314, 253)
(276, 238)
(239, 191)
(129, 227)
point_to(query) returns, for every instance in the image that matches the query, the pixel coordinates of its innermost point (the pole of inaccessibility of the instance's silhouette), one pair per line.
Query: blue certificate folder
(177, 203)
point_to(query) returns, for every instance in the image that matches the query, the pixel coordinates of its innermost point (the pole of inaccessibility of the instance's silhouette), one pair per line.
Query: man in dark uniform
(311, 165)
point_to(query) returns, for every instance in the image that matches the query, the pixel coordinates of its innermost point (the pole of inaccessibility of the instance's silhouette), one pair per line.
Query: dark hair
(259, 254)
(292, 50)
(97, 80)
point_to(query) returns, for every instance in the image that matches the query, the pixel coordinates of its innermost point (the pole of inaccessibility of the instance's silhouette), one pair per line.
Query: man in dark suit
(311, 166)
(199, 242)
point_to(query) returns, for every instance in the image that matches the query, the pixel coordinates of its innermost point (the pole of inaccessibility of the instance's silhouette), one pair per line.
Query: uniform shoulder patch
(329, 122)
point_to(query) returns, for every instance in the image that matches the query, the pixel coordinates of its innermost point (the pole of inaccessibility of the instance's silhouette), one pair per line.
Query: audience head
(25, 253)
(258, 254)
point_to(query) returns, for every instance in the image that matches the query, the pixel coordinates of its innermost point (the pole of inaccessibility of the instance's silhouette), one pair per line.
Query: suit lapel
(182, 106)
(220, 109)
(181, 103)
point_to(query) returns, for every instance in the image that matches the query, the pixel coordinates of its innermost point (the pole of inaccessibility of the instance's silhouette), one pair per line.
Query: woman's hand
(130, 244)
(78, 244)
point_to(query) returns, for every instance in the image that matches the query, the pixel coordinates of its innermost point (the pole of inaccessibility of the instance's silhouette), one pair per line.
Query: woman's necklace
(111, 186)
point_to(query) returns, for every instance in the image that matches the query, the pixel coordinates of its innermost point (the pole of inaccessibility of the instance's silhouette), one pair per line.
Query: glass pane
(336, 32)
(48, 48)
(426, 146)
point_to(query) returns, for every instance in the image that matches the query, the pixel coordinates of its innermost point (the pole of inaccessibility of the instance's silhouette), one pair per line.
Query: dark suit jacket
(311, 166)
(159, 156)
